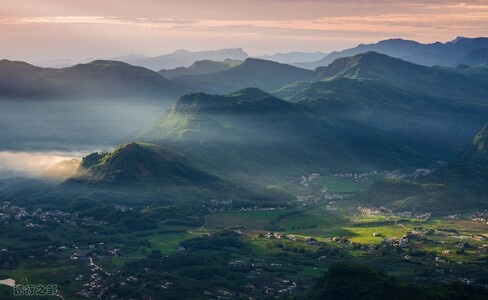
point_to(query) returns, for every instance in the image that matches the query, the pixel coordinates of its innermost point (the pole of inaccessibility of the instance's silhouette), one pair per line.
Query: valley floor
(248, 253)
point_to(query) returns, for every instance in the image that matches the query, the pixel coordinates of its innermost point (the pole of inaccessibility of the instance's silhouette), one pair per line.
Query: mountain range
(448, 54)
(367, 111)
(417, 108)
(185, 58)
(461, 50)
(216, 75)
(106, 102)
(98, 79)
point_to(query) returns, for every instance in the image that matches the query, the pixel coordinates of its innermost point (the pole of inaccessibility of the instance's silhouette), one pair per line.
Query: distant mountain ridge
(447, 54)
(258, 73)
(200, 67)
(294, 57)
(185, 58)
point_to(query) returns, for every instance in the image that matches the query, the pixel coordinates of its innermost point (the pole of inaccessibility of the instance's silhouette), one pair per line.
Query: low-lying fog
(48, 165)
(47, 139)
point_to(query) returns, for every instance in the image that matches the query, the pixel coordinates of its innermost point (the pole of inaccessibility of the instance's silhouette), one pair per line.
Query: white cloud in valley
(47, 165)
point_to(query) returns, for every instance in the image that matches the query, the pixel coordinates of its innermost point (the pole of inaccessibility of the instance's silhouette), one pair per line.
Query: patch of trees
(348, 281)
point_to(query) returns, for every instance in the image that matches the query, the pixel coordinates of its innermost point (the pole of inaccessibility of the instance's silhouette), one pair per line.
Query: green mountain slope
(232, 132)
(143, 164)
(251, 131)
(158, 171)
(415, 79)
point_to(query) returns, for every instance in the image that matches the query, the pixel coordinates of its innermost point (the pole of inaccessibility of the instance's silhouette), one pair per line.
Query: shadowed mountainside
(97, 79)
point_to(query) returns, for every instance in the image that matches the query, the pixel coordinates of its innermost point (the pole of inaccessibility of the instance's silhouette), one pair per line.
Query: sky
(36, 30)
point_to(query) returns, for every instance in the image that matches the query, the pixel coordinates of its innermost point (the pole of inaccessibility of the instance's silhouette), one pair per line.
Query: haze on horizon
(35, 30)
